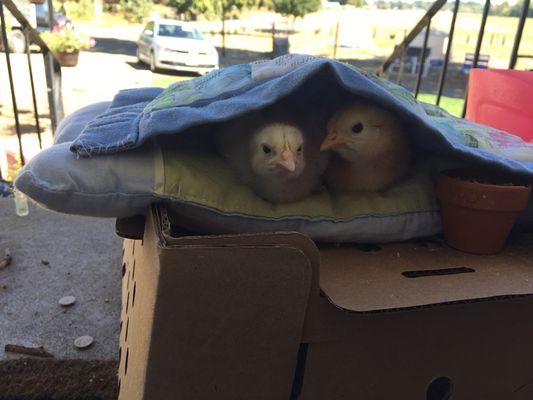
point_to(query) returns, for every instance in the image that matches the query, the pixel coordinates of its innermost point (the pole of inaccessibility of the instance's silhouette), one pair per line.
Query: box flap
(409, 275)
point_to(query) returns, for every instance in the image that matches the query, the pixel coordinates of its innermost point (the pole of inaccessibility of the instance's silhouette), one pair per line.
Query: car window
(149, 29)
(41, 14)
(178, 31)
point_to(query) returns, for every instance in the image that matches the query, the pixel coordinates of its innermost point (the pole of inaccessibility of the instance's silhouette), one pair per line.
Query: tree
(383, 5)
(135, 10)
(296, 8)
(355, 3)
(518, 8)
(192, 9)
(506, 10)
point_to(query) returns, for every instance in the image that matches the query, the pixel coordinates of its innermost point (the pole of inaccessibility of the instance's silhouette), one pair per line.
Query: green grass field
(163, 80)
(451, 104)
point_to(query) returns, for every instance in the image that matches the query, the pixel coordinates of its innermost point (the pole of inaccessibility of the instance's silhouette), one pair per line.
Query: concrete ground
(84, 253)
(84, 256)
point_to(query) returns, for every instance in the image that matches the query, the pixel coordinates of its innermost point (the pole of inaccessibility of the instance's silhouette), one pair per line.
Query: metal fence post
(448, 51)
(518, 37)
(51, 19)
(422, 59)
(11, 83)
(479, 42)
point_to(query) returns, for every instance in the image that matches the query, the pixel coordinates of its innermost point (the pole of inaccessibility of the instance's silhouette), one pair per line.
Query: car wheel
(138, 55)
(153, 68)
(17, 41)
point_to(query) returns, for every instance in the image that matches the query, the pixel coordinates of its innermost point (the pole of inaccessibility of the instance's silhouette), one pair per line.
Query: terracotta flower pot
(68, 59)
(111, 1)
(477, 217)
(37, 1)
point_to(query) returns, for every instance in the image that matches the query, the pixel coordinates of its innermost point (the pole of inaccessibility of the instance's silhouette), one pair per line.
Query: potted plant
(66, 45)
(479, 209)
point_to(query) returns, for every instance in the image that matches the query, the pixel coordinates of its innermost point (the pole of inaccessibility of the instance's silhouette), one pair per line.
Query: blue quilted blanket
(137, 115)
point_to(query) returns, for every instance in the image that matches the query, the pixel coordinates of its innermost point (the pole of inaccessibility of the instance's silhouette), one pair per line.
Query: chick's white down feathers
(277, 150)
(278, 158)
(371, 149)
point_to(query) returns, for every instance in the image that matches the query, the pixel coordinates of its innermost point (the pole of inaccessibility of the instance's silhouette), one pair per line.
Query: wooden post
(223, 33)
(223, 11)
(273, 39)
(51, 19)
(336, 41)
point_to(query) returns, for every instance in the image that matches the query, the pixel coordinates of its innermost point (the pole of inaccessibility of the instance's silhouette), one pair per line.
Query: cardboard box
(271, 316)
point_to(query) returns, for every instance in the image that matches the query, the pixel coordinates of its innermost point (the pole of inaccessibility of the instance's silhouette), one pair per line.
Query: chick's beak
(286, 159)
(332, 141)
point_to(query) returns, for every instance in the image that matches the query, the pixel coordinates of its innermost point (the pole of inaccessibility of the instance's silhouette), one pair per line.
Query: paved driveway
(101, 72)
(83, 259)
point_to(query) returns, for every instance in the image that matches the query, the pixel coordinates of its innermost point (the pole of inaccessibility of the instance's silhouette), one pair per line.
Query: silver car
(172, 44)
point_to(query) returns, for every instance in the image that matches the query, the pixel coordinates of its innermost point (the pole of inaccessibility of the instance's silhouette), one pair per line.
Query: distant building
(330, 5)
(437, 42)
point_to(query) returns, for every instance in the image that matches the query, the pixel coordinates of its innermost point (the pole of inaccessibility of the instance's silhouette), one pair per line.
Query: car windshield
(41, 14)
(179, 31)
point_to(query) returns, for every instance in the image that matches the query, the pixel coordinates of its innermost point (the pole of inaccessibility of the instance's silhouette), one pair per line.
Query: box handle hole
(436, 272)
(127, 329)
(440, 389)
(126, 361)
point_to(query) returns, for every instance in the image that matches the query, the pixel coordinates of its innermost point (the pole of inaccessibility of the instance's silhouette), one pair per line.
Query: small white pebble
(67, 301)
(83, 342)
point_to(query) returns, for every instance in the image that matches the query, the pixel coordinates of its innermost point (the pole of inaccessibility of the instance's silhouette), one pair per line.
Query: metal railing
(425, 23)
(51, 67)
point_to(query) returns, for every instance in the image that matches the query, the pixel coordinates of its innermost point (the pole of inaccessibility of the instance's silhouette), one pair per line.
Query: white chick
(276, 159)
(371, 150)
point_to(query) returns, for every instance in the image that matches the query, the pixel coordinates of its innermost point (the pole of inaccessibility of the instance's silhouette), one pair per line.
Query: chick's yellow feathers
(371, 150)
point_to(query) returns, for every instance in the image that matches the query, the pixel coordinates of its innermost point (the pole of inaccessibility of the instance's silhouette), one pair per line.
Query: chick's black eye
(266, 149)
(299, 149)
(357, 128)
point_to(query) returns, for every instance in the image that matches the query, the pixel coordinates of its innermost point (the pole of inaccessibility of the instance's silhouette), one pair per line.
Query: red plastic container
(502, 99)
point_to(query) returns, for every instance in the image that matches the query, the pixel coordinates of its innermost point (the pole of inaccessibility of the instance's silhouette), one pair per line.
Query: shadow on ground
(24, 111)
(32, 379)
(170, 72)
(25, 128)
(231, 57)
(115, 46)
(238, 56)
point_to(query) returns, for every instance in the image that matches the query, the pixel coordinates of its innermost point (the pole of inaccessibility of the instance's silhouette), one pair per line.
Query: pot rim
(482, 196)
(68, 52)
(491, 187)
(467, 177)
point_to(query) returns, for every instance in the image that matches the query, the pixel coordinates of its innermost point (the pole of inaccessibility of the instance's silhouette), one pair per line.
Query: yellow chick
(371, 150)
(276, 159)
